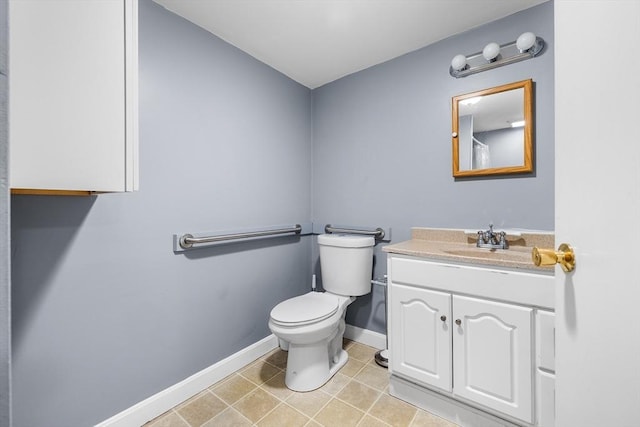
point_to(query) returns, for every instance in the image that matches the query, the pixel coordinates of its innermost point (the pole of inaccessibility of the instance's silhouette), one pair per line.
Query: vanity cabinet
(452, 331)
(73, 110)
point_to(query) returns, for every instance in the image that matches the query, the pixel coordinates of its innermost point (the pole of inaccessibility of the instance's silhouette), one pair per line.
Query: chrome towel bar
(187, 240)
(378, 233)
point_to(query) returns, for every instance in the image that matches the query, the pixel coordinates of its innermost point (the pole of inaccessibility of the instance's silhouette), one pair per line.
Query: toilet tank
(346, 263)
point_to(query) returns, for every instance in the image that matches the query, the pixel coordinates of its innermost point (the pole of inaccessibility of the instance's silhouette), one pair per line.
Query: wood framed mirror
(492, 131)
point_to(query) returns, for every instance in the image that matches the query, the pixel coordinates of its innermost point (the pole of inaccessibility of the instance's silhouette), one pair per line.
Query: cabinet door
(419, 338)
(492, 350)
(72, 104)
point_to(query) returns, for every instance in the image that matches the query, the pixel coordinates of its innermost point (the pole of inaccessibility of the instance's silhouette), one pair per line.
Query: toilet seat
(305, 309)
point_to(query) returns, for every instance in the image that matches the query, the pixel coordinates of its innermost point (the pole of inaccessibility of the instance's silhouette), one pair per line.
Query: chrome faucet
(491, 239)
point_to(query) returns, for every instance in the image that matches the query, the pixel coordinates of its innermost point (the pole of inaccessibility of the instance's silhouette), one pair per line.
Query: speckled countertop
(460, 246)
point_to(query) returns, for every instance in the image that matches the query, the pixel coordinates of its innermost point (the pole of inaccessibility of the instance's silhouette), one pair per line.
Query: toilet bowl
(311, 326)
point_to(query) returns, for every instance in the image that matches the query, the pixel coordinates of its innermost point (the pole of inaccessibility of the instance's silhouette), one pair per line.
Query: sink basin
(495, 254)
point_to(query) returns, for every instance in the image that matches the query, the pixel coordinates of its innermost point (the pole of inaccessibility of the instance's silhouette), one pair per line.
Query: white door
(421, 335)
(492, 355)
(597, 203)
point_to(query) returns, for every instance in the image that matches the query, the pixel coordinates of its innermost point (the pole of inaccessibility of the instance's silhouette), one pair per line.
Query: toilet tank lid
(346, 240)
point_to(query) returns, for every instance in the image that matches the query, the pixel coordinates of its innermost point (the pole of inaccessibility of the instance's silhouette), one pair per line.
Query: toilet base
(316, 371)
(310, 366)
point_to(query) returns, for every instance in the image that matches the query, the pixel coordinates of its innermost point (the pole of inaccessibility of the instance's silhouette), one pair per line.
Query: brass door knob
(563, 256)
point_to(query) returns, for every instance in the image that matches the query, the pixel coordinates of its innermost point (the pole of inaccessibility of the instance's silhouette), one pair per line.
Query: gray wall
(382, 146)
(105, 314)
(5, 240)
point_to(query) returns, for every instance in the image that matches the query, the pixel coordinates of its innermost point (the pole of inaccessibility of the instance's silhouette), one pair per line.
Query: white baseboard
(161, 402)
(365, 336)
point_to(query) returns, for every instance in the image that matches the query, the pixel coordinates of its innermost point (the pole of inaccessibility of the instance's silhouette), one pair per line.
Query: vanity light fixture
(517, 124)
(527, 46)
(491, 52)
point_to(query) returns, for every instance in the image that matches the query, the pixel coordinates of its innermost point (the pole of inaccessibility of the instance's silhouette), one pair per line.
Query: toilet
(311, 326)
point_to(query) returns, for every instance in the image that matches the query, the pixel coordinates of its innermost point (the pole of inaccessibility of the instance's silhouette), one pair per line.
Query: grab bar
(187, 240)
(378, 233)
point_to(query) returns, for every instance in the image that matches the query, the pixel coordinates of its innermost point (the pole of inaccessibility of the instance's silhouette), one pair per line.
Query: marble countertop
(459, 246)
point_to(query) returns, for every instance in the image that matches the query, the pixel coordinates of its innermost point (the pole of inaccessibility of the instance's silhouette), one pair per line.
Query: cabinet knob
(443, 318)
(458, 322)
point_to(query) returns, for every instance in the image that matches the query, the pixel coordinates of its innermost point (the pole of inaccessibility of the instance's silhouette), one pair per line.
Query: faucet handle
(503, 240)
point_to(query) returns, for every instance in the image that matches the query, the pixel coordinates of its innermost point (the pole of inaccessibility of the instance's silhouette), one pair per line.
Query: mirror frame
(527, 165)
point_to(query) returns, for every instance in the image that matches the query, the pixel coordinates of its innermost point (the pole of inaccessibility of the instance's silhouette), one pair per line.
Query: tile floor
(256, 396)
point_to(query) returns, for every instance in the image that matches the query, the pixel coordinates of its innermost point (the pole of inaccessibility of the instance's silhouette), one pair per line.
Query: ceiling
(315, 42)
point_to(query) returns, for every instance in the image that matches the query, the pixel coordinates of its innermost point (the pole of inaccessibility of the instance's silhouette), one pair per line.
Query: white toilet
(311, 326)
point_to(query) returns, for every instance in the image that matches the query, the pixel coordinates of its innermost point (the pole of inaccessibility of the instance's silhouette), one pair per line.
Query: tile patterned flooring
(256, 396)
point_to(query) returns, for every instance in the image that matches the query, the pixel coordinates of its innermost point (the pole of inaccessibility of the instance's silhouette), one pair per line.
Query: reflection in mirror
(492, 131)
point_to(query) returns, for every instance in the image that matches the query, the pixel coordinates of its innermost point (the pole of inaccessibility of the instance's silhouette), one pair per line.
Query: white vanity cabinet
(73, 95)
(468, 334)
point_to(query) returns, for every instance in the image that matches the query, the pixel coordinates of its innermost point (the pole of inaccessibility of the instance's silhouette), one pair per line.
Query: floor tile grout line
(209, 391)
(282, 402)
(366, 412)
(259, 384)
(274, 408)
(181, 417)
(369, 385)
(414, 418)
(319, 410)
(184, 403)
(230, 408)
(374, 417)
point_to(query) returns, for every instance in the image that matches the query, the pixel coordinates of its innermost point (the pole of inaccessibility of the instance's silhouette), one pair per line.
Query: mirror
(492, 131)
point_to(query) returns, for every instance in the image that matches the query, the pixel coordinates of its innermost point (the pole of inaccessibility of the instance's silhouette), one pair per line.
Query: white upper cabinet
(73, 111)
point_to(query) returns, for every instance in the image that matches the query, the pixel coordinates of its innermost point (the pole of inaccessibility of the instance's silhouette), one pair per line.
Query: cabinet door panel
(492, 355)
(546, 399)
(67, 104)
(545, 340)
(419, 341)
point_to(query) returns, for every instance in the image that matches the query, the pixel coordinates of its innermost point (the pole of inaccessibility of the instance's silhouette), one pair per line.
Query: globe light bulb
(459, 62)
(525, 41)
(491, 51)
